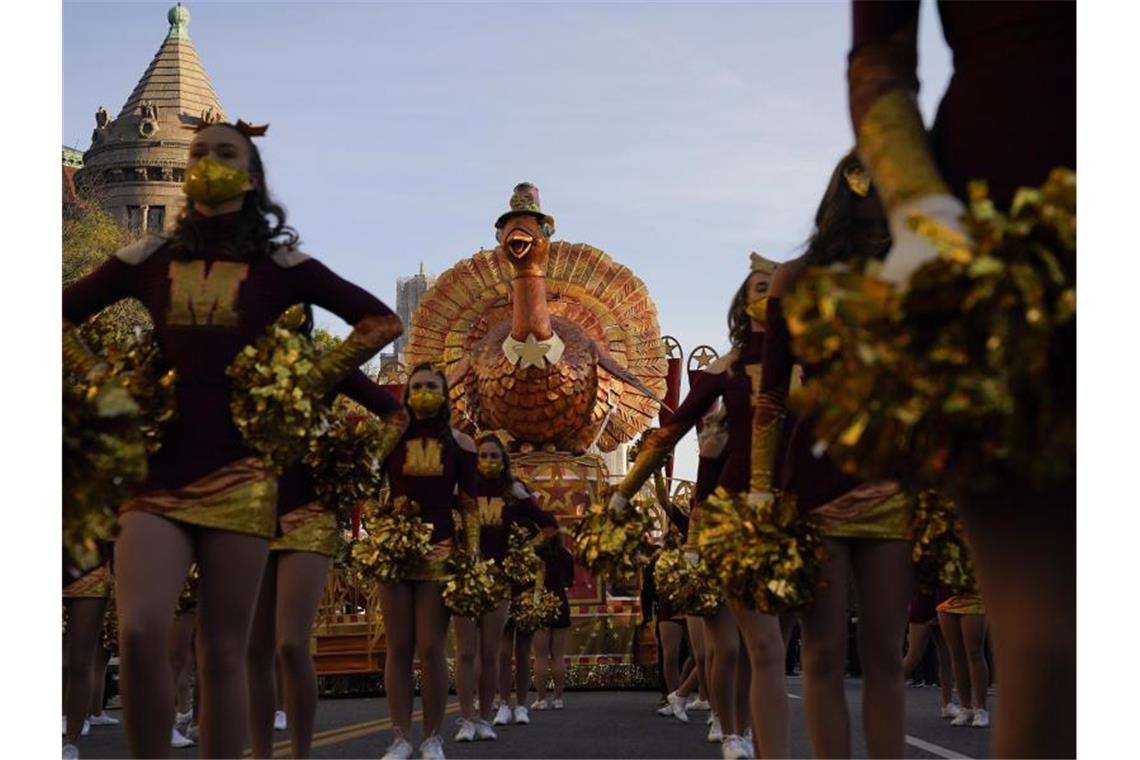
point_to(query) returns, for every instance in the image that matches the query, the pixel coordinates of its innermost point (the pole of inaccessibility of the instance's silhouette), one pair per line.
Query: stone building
(136, 163)
(409, 292)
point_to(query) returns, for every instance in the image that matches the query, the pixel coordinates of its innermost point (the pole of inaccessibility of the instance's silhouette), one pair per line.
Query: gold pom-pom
(690, 586)
(347, 460)
(612, 546)
(475, 587)
(766, 554)
(940, 555)
(110, 424)
(534, 609)
(397, 541)
(969, 378)
(275, 403)
(521, 564)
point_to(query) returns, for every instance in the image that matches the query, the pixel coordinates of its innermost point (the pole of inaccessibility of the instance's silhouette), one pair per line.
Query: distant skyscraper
(409, 292)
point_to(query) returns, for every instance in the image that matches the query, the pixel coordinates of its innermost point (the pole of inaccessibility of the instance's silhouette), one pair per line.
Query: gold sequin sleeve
(882, 92)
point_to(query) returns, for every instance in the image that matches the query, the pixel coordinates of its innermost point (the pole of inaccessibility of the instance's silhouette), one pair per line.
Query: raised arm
(657, 446)
(111, 282)
(393, 417)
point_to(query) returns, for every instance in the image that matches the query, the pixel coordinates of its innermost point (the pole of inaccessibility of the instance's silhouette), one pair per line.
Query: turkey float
(555, 343)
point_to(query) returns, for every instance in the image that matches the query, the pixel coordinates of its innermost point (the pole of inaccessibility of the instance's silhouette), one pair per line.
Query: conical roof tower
(136, 161)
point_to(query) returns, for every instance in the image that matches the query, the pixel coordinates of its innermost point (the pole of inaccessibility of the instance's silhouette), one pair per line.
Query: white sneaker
(665, 710)
(746, 738)
(963, 718)
(522, 717)
(696, 703)
(182, 719)
(115, 703)
(400, 749)
(716, 736)
(540, 704)
(70, 752)
(503, 715)
(484, 732)
(432, 748)
(280, 722)
(177, 740)
(466, 731)
(86, 727)
(981, 718)
(677, 707)
(950, 710)
(732, 748)
(102, 719)
(559, 704)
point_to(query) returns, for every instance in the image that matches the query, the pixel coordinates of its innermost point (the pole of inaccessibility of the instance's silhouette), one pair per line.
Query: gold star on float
(532, 353)
(703, 356)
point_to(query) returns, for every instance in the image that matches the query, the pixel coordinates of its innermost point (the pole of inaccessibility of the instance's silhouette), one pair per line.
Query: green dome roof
(179, 18)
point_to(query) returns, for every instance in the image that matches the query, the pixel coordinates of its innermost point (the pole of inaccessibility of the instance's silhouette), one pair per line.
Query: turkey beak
(519, 243)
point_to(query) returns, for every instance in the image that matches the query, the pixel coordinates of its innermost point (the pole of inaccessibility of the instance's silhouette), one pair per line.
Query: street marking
(914, 741)
(351, 731)
(935, 749)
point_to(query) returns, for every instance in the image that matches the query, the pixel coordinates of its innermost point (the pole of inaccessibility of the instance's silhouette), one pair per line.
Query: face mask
(490, 469)
(425, 403)
(212, 183)
(758, 309)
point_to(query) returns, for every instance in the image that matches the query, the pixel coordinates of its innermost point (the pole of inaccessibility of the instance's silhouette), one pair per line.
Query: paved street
(594, 724)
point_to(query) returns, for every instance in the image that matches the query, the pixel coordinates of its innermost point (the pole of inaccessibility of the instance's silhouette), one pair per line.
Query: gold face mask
(425, 403)
(212, 183)
(490, 469)
(758, 309)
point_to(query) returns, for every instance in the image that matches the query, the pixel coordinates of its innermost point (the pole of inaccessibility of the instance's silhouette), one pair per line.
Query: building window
(134, 218)
(155, 218)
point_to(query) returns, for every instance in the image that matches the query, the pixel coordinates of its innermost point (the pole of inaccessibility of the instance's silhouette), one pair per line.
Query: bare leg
(691, 678)
(744, 691)
(431, 640)
(181, 658)
(102, 659)
(84, 624)
(724, 639)
(945, 669)
(542, 662)
(397, 608)
(522, 665)
(300, 584)
(824, 640)
(1024, 551)
(671, 636)
(917, 639)
(231, 566)
(558, 658)
(958, 661)
(696, 630)
(467, 647)
(490, 642)
(152, 557)
(974, 639)
(769, 695)
(506, 652)
(260, 663)
(884, 583)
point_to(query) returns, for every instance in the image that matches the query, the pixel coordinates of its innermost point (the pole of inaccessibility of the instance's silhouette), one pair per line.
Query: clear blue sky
(677, 137)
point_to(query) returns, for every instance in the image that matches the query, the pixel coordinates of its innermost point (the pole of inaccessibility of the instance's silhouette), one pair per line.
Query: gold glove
(368, 336)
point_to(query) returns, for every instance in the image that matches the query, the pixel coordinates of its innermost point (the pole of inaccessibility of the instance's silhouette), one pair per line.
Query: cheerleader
(922, 629)
(85, 601)
(434, 466)
(734, 378)
(550, 641)
(292, 587)
(1015, 74)
(503, 502)
(962, 620)
(866, 526)
(211, 289)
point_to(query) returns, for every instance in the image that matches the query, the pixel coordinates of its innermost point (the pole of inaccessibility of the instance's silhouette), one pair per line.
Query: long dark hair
(739, 323)
(260, 228)
(444, 412)
(840, 233)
